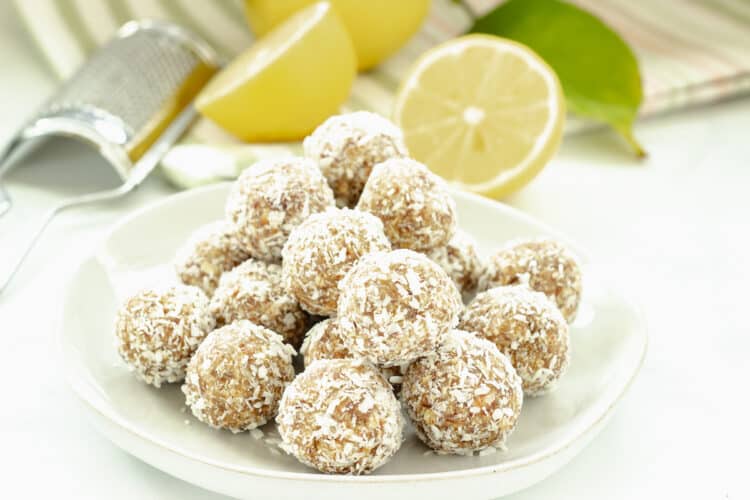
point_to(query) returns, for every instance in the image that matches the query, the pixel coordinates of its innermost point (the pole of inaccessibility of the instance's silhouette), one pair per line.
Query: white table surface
(673, 230)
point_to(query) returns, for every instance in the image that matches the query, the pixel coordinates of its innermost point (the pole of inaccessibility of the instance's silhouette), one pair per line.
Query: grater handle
(5, 201)
(140, 171)
(49, 217)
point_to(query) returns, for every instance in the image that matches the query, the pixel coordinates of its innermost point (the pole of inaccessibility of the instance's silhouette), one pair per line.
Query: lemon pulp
(484, 112)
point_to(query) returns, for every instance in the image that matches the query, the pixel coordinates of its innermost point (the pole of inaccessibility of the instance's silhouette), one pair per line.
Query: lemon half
(483, 112)
(287, 82)
(377, 28)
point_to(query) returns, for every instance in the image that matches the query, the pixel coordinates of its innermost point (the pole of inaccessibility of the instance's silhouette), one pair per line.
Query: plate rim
(76, 383)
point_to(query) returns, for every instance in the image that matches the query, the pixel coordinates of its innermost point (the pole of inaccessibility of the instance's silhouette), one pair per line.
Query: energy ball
(544, 265)
(254, 291)
(237, 377)
(158, 330)
(211, 251)
(340, 416)
(346, 147)
(396, 307)
(460, 259)
(464, 398)
(271, 198)
(323, 341)
(413, 203)
(321, 250)
(527, 327)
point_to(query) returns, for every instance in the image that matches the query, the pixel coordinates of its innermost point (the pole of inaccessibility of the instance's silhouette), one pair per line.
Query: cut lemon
(286, 83)
(377, 29)
(483, 112)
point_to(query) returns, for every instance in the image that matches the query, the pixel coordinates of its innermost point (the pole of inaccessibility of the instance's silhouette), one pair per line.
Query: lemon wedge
(483, 112)
(287, 82)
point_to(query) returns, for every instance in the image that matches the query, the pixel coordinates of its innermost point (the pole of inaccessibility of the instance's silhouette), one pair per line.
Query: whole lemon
(377, 29)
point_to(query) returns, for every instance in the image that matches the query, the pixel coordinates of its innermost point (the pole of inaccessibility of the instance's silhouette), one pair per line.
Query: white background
(672, 230)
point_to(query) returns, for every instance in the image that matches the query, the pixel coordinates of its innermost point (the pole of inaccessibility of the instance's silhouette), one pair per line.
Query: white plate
(608, 339)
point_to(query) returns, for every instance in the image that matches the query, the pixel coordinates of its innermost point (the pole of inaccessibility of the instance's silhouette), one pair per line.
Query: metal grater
(131, 101)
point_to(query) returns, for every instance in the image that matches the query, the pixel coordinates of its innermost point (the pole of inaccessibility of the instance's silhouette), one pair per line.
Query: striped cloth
(690, 51)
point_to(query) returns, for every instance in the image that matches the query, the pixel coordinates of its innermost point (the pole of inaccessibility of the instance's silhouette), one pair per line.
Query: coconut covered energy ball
(237, 376)
(526, 326)
(396, 307)
(271, 198)
(254, 291)
(158, 330)
(323, 341)
(211, 251)
(413, 203)
(347, 146)
(544, 265)
(322, 249)
(465, 397)
(460, 259)
(340, 416)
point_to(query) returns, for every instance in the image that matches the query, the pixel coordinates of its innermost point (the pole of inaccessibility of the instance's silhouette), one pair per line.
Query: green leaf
(598, 71)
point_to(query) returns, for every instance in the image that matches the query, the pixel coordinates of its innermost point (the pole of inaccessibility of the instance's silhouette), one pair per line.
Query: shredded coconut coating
(321, 250)
(237, 377)
(211, 251)
(413, 203)
(340, 416)
(323, 341)
(271, 198)
(158, 330)
(396, 307)
(460, 259)
(544, 265)
(347, 146)
(254, 291)
(464, 398)
(527, 327)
